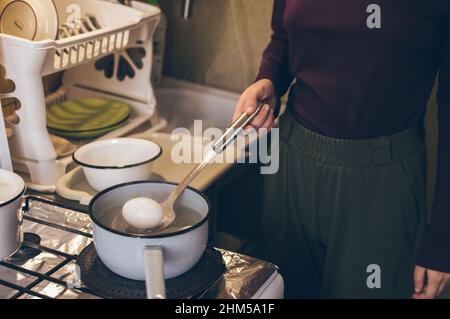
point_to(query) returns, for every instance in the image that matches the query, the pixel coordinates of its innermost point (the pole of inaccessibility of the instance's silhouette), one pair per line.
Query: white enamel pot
(12, 187)
(150, 258)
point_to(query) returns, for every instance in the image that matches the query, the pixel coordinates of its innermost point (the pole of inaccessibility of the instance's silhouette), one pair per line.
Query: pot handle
(154, 272)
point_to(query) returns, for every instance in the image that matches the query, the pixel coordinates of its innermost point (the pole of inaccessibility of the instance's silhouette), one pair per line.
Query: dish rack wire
(106, 53)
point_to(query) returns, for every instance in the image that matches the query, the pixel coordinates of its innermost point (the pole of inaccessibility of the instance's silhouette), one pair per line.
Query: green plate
(87, 134)
(86, 116)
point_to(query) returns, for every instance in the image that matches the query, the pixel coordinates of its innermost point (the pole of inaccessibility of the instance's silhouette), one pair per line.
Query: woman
(345, 215)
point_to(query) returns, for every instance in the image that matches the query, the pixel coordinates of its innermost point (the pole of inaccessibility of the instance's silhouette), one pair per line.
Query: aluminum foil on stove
(65, 233)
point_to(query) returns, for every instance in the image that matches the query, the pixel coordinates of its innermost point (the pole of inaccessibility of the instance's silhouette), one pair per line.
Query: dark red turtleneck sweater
(365, 71)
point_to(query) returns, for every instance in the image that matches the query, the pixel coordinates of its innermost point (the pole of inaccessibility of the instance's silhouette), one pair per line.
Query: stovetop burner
(95, 275)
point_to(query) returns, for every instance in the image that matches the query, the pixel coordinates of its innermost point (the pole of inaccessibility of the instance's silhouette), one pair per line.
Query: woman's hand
(435, 283)
(248, 103)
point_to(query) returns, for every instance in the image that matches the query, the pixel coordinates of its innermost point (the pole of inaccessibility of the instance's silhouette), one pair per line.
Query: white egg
(142, 213)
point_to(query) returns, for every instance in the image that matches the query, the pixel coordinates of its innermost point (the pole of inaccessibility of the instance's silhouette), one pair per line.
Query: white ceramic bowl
(12, 188)
(34, 20)
(115, 161)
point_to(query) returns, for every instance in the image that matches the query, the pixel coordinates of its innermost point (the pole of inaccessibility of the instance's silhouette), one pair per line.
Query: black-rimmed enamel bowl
(115, 161)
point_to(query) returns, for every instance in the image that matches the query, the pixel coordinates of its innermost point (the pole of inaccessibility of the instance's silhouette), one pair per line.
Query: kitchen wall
(220, 45)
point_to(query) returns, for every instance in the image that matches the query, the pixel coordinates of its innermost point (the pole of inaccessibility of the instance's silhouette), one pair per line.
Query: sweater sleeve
(435, 250)
(275, 60)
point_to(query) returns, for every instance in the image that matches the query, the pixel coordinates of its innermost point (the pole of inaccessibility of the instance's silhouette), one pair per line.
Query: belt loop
(381, 151)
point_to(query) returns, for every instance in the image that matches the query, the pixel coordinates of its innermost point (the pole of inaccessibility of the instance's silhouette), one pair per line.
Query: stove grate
(95, 275)
(31, 243)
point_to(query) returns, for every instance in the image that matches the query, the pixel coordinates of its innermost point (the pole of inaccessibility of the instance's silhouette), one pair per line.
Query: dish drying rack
(106, 54)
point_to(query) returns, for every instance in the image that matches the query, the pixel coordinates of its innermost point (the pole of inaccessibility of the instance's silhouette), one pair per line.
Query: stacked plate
(87, 118)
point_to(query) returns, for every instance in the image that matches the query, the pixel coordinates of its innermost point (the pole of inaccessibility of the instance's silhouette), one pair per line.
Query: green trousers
(344, 218)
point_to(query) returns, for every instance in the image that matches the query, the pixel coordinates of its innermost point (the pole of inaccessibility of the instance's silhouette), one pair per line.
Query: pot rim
(14, 198)
(183, 231)
(152, 159)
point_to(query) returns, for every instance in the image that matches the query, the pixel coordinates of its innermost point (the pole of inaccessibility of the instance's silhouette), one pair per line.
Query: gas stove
(54, 237)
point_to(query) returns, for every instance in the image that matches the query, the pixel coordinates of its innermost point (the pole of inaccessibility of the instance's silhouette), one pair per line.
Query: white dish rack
(108, 55)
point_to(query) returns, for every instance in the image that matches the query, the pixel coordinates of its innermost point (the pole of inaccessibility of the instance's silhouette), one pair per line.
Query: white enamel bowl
(115, 161)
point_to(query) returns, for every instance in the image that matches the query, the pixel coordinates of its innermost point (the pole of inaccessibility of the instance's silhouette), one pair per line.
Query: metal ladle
(216, 148)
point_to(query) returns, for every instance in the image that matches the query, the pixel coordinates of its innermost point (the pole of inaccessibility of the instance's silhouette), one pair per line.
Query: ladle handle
(154, 272)
(186, 181)
(235, 129)
(218, 147)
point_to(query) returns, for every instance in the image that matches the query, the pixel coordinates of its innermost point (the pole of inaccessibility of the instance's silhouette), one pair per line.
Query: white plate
(34, 20)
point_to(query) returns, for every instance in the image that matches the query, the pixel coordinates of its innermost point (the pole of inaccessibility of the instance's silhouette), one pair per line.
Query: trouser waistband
(380, 151)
